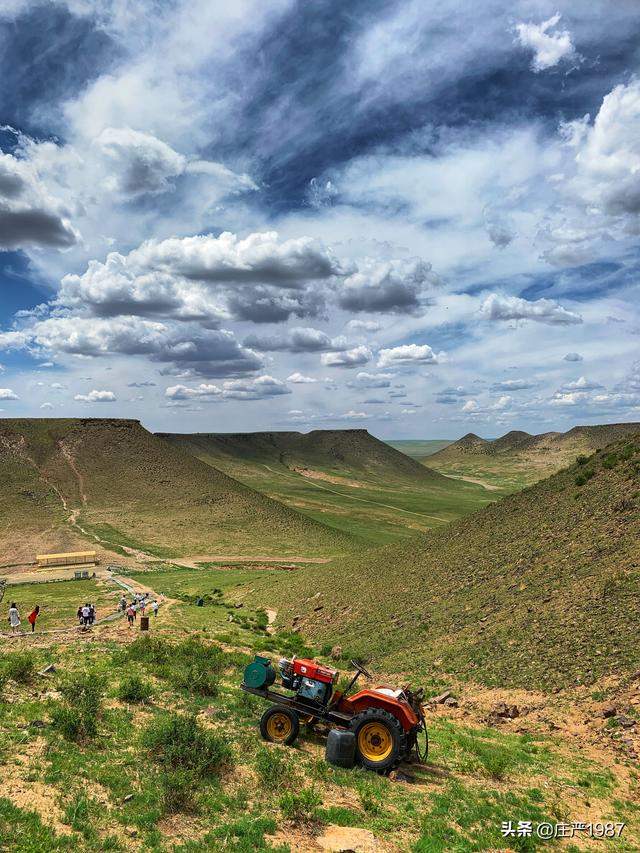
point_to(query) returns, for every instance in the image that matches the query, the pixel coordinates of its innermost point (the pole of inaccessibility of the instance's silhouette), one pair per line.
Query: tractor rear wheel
(280, 724)
(381, 742)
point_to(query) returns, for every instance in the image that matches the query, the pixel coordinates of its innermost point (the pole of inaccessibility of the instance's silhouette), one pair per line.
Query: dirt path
(488, 486)
(357, 498)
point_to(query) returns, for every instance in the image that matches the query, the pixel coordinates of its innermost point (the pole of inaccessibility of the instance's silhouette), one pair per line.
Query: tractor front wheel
(280, 724)
(381, 742)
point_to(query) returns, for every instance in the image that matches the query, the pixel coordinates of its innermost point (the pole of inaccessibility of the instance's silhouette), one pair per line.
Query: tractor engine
(309, 680)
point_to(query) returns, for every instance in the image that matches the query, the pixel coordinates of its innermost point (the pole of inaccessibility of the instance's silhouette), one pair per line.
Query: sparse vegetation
(76, 715)
(134, 689)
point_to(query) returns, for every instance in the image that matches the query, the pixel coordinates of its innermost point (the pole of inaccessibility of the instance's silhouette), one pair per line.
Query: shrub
(300, 808)
(178, 742)
(195, 679)
(610, 461)
(134, 689)
(19, 667)
(76, 717)
(585, 476)
(150, 650)
(582, 460)
(628, 451)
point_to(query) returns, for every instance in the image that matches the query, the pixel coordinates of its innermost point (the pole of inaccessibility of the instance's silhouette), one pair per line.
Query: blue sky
(417, 218)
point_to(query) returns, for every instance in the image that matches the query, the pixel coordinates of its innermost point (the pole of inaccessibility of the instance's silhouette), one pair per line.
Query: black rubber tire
(288, 712)
(398, 739)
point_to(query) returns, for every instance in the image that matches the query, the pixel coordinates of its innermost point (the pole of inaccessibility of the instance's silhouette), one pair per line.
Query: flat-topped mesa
(340, 450)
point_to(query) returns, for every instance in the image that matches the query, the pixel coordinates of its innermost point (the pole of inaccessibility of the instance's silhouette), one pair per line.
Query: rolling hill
(519, 458)
(116, 481)
(541, 589)
(347, 479)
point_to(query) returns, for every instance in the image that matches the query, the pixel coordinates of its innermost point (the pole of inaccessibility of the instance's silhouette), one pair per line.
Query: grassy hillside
(133, 490)
(344, 478)
(146, 742)
(518, 458)
(541, 589)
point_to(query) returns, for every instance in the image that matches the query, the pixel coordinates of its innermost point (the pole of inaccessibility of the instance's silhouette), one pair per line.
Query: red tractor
(388, 724)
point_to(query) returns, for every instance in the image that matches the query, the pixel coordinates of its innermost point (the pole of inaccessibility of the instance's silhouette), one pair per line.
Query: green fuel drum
(259, 673)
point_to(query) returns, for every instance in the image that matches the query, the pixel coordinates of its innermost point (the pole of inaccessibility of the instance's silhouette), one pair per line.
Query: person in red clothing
(33, 616)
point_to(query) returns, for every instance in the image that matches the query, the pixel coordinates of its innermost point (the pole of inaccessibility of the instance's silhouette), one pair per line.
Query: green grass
(185, 759)
(59, 601)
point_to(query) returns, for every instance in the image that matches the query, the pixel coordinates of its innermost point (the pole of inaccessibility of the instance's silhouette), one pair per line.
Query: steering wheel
(361, 669)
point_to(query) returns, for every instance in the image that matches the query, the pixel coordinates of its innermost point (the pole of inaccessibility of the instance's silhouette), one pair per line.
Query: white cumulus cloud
(501, 307)
(407, 354)
(96, 396)
(549, 44)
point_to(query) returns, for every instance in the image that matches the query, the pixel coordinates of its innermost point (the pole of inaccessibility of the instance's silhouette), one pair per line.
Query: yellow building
(76, 558)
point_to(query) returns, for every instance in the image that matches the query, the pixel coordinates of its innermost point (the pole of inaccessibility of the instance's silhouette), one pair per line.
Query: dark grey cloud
(261, 304)
(393, 287)
(21, 228)
(296, 340)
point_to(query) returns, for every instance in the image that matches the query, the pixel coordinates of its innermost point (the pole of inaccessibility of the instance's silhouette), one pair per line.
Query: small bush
(585, 476)
(178, 742)
(610, 461)
(628, 451)
(19, 667)
(150, 650)
(196, 680)
(76, 717)
(302, 807)
(582, 460)
(135, 690)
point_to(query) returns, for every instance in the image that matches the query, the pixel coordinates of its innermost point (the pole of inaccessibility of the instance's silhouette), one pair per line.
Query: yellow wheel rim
(375, 742)
(279, 726)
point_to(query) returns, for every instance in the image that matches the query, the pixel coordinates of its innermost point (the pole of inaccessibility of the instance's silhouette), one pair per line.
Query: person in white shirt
(155, 607)
(14, 617)
(86, 614)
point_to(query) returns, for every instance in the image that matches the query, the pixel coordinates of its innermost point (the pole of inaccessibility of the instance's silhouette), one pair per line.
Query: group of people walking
(86, 614)
(138, 604)
(14, 618)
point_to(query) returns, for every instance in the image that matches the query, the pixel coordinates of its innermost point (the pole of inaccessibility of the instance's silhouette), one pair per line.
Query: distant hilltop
(579, 439)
